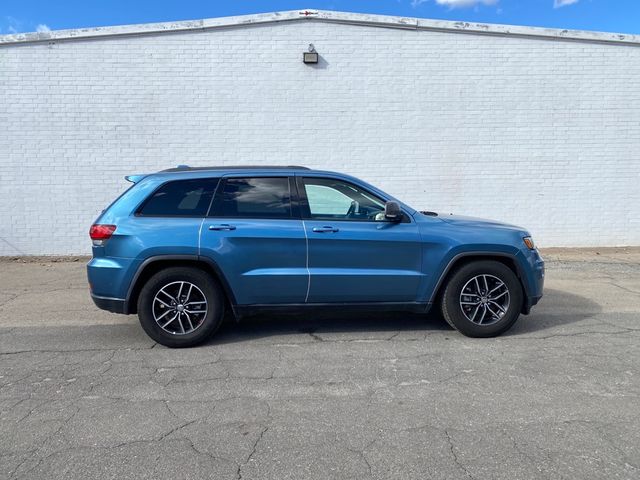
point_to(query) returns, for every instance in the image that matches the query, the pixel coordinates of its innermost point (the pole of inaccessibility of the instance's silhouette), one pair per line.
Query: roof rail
(183, 168)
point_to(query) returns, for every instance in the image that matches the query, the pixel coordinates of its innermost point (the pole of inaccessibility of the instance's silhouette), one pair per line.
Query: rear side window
(255, 198)
(181, 198)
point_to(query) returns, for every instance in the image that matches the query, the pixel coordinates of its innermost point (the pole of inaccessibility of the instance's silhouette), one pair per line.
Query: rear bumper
(109, 279)
(115, 305)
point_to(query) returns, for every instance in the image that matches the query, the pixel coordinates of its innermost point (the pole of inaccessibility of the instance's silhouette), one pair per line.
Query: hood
(476, 222)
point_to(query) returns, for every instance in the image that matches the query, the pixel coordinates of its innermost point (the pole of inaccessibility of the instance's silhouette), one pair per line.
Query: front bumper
(535, 280)
(115, 305)
(529, 303)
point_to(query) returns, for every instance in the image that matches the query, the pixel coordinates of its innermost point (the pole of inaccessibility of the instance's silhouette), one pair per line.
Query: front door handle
(325, 229)
(223, 226)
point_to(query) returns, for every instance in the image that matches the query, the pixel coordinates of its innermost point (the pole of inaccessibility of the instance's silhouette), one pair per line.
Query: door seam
(200, 236)
(306, 238)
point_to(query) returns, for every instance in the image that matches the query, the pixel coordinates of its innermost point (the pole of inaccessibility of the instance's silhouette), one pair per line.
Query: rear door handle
(325, 229)
(223, 226)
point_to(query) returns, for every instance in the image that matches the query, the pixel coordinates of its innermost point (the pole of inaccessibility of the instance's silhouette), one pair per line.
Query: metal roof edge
(362, 19)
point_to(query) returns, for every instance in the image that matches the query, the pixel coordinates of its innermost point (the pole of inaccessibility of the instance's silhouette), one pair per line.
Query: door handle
(325, 229)
(223, 226)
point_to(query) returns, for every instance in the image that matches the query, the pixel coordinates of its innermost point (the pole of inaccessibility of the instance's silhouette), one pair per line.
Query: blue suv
(183, 245)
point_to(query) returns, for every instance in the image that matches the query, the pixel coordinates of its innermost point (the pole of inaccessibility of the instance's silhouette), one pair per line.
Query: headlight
(528, 241)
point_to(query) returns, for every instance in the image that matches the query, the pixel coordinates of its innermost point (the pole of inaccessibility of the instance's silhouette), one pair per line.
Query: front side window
(268, 197)
(181, 198)
(335, 199)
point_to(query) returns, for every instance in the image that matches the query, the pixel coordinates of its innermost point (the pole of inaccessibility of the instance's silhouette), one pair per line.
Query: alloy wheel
(179, 308)
(484, 299)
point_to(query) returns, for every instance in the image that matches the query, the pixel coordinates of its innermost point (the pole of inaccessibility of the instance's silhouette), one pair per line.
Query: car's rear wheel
(180, 307)
(482, 299)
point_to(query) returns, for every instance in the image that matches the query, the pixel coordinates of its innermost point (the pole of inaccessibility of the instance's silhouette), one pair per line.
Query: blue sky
(605, 15)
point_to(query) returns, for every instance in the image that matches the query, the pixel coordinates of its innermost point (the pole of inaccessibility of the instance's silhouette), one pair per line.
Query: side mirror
(392, 212)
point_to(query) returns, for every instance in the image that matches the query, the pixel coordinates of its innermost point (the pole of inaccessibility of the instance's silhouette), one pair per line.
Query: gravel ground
(85, 394)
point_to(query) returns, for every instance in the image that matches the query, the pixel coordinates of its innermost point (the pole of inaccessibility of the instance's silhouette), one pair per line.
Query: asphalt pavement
(86, 394)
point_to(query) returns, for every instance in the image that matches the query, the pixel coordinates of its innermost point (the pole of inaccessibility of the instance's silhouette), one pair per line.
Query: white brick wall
(540, 132)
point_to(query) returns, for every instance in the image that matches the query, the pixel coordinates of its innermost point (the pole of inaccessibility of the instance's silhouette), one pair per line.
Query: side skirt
(293, 308)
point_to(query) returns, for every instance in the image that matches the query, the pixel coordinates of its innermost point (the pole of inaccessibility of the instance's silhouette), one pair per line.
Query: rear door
(255, 235)
(355, 255)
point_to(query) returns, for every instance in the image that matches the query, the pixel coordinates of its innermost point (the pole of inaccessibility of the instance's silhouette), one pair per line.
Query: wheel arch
(465, 258)
(153, 265)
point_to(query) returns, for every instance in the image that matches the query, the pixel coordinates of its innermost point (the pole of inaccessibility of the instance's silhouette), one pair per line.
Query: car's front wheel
(482, 299)
(180, 307)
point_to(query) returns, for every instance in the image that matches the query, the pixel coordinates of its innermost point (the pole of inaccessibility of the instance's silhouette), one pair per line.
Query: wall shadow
(321, 65)
(555, 309)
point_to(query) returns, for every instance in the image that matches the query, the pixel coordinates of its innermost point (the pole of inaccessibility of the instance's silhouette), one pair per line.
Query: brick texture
(537, 132)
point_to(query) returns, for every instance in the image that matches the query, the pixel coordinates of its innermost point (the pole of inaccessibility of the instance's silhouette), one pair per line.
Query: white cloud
(563, 3)
(472, 3)
(13, 24)
(458, 3)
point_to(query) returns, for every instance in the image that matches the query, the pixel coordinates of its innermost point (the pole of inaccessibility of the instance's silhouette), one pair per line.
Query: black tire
(452, 310)
(209, 322)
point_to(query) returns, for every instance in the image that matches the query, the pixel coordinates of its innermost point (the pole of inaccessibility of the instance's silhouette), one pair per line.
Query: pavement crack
(312, 333)
(175, 429)
(51, 435)
(11, 298)
(576, 334)
(317, 338)
(108, 361)
(364, 458)
(597, 426)
(635, 292)
(253, 451)
(30, 412)
(201, 452)
(30, 291)
(620, 326)
(522, 452)
(455, 456)
(14, 472)
(80, 350)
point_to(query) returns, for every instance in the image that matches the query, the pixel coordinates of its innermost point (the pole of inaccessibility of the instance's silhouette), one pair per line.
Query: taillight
(100, 233)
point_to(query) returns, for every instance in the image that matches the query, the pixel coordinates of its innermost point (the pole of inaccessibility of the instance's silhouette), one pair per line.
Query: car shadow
(367, 325)
(555, 309)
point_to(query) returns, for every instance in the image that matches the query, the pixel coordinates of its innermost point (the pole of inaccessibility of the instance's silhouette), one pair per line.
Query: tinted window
(189, 198)
(255, 198)
(335, 199)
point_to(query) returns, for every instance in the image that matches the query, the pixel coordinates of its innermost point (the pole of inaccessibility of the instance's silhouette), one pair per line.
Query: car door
(256, 237)
(355, 255)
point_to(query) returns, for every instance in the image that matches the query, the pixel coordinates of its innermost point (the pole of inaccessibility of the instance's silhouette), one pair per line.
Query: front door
(355, 255)
(252, 235)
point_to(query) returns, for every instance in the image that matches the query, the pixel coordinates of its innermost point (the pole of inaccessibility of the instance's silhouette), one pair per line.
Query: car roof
(185, 171)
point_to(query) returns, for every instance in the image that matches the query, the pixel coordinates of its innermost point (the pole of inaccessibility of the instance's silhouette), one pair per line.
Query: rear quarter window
(180, 198)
